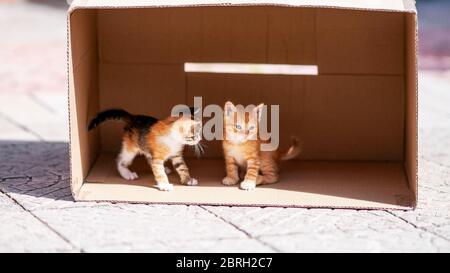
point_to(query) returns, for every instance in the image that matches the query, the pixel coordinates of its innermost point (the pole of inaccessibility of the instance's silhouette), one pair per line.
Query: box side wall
(335, 117)
(275, 35)
(360, 42)
(411, 140)
(83, 93)
(352, 111)
(138, 65)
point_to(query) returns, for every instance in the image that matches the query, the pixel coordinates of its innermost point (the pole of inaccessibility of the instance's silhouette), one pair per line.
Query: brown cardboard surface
(353, 118)
(411, 130)
(287, 29)
(140, 89)
(325, 112)
(357, 119)
(360, 42)
(302, 184)
(256, 35)
(83, 98)
(121, 39)
(213, 34)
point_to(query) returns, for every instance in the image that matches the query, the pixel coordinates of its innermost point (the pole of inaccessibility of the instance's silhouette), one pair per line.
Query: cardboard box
(357, 118)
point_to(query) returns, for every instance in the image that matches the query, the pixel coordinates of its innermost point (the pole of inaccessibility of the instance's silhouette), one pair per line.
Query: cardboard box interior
(356, 119)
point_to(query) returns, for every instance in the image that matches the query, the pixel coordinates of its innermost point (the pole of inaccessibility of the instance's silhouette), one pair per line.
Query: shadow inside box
(38, 169)
(302, 183)
(41, 169)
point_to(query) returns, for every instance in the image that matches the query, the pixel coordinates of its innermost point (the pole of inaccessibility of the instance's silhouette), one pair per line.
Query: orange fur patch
(261, 166)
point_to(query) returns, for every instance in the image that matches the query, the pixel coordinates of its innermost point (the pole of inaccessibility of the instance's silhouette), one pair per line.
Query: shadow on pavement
(39, 169)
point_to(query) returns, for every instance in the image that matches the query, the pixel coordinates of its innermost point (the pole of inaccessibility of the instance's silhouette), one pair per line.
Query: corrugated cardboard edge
(399, 208)
(409, 7)
(416, 71)
(69, 78)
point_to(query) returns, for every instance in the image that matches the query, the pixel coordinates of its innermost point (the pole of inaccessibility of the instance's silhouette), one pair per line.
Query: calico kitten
(157, 140)
(241, 148)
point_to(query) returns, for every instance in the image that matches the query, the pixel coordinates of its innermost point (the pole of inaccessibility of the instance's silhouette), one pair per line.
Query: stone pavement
(37, 212)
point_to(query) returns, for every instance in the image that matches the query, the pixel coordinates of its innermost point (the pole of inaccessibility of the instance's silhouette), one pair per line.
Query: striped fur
(157, 140)
(242, 150)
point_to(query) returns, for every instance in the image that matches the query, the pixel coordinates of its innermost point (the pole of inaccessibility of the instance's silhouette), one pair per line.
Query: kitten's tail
(117, 114)
(293, 151)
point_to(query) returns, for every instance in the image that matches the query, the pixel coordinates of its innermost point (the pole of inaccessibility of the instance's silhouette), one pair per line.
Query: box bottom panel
(330, 184)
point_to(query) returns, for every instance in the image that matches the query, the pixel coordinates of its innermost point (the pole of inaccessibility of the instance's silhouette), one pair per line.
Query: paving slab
(38, 214)
(33, 47)
(147, 228)
(11, 131)
(20, 231)
(34, 114)
(433, 213)
(34, 176)
(318, 230)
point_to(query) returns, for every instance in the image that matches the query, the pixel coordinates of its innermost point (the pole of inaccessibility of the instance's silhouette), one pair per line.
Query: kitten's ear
(258, 110)
(229, 108)
(171, 120)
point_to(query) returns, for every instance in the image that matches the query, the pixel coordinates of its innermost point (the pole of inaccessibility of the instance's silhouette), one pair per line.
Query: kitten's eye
(251, 127)
(238, 126)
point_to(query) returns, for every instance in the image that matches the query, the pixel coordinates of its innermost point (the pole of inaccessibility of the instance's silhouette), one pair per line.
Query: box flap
(388, 5)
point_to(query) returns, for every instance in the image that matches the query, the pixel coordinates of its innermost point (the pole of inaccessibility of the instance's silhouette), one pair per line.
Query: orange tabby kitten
(157, 140)
(241, 148)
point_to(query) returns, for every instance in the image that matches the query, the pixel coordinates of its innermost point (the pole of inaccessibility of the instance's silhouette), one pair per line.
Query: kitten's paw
(248, 185)
(168, 170)
(228, 181)
(191, 182)
(129, 175)
(134, 175)
(164, 186)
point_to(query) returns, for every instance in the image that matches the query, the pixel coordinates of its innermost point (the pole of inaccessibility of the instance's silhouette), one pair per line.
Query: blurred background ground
(37, 212)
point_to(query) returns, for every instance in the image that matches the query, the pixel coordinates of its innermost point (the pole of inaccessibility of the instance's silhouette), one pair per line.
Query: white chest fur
(173, 144)
(238, 156)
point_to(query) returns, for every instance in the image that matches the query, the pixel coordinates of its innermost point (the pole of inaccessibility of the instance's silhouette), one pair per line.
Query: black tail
(117, 114)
